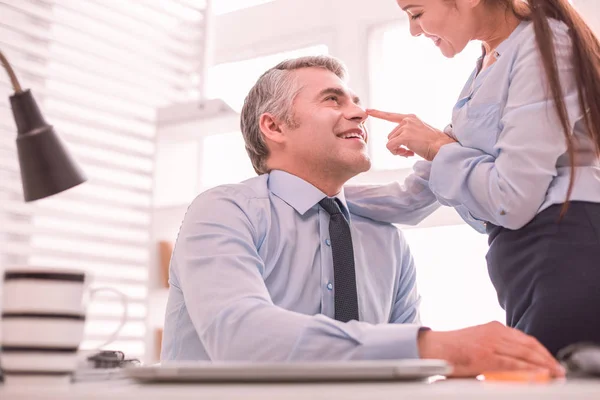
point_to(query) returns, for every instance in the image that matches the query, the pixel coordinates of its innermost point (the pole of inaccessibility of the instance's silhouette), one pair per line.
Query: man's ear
(271, 127)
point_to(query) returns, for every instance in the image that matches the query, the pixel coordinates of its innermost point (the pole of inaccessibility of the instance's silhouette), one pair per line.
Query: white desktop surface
(449, 389)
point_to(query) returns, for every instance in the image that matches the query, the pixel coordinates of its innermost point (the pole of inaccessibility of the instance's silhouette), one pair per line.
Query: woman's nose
(415, 28)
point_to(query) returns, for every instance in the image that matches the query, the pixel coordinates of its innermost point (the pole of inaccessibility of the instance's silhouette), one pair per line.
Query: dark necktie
(346, 299)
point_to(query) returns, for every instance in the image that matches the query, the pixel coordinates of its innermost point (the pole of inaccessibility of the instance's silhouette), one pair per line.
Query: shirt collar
(297, 193)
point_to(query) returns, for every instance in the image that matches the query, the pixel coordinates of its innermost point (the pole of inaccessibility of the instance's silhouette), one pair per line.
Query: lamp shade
(46, 166)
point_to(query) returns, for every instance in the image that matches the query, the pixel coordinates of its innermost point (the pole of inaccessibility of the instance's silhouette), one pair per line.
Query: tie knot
(331, 206)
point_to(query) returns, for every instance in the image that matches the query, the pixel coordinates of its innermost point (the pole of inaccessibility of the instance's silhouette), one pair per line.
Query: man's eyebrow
(339, 92)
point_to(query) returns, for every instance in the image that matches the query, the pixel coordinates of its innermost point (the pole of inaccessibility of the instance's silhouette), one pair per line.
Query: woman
(521, 156)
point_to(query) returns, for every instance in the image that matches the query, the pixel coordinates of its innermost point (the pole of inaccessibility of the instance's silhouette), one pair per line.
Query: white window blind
(98, 69)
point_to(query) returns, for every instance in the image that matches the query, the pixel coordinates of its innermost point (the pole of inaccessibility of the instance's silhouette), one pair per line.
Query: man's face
(328, 134)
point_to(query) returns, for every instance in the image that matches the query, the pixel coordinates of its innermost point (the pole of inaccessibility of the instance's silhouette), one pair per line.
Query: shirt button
(502, 212)
(330, 286)
(328, 242)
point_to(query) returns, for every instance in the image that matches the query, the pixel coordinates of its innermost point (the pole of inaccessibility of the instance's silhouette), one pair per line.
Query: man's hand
(485, 348)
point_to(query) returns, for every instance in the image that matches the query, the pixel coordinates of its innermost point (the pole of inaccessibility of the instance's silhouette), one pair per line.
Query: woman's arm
(509, 189)
(405, 203)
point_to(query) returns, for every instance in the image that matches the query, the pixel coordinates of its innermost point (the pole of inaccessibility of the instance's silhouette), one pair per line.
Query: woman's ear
(271, 128)
(471, 3)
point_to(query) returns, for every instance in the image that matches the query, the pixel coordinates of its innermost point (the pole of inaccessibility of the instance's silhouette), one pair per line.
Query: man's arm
(220, 273)
(472, 350)
(408, 300)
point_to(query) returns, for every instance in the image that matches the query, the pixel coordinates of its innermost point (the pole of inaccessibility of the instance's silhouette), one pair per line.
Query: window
(409, 75)
(232, 81)
(452, 277)
(98, 69)
(226, 6)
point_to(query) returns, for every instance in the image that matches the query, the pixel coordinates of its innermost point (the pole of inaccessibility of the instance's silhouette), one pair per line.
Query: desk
(441, 390)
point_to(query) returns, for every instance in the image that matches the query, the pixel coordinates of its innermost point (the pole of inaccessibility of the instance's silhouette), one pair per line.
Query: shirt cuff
(422, 169)
(439, 168)
(392, 342)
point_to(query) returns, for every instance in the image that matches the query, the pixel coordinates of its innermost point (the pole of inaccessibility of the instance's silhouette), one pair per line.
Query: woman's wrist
(435, 147)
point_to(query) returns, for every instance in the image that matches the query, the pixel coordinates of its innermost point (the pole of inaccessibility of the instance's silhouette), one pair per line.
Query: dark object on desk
(111, 359)
(46, 166)
(582, 360)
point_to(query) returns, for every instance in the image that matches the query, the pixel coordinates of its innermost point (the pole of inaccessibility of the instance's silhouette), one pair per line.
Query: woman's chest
(477, 115)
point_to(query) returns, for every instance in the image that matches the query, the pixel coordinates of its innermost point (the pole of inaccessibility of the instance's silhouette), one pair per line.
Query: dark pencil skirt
(547, 275)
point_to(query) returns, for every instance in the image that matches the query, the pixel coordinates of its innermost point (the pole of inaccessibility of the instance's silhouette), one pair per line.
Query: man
(276, 268)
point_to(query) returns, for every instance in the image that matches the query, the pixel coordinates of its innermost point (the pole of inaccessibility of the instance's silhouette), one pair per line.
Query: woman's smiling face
(448, 23)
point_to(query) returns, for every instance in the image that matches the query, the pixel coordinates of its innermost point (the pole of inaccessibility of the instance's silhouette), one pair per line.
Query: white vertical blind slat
(98, 69)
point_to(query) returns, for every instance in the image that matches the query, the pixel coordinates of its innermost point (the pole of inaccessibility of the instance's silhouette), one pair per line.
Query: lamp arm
(13, 78)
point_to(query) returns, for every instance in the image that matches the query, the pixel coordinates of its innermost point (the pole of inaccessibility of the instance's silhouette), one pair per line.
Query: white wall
(590, 10)
(343, 25)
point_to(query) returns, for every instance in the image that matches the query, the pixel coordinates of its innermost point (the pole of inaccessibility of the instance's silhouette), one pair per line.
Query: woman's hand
(412, 133)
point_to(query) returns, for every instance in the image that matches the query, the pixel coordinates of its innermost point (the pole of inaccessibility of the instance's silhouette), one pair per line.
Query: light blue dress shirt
(510, 162)
(251, 278)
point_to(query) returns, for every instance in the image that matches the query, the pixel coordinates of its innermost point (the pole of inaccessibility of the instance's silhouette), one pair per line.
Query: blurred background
(146, 94)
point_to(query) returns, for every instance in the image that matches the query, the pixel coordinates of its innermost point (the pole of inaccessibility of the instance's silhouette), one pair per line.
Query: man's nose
(415, 28)
(356, 113)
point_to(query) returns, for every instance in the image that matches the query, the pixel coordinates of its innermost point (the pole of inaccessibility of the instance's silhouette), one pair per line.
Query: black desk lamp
(46, 166)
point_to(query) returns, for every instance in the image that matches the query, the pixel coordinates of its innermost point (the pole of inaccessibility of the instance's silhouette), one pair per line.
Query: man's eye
(416, 16)
(334, 98)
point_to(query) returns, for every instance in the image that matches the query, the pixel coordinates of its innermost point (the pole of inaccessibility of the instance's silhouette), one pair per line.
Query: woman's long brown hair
(586, 66)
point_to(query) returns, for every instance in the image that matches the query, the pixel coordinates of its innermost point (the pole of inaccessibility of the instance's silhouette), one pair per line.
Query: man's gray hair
(274, 93)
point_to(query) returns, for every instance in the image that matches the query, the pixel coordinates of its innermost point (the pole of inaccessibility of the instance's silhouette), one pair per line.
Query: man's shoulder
(253, 188)
(244, 196)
